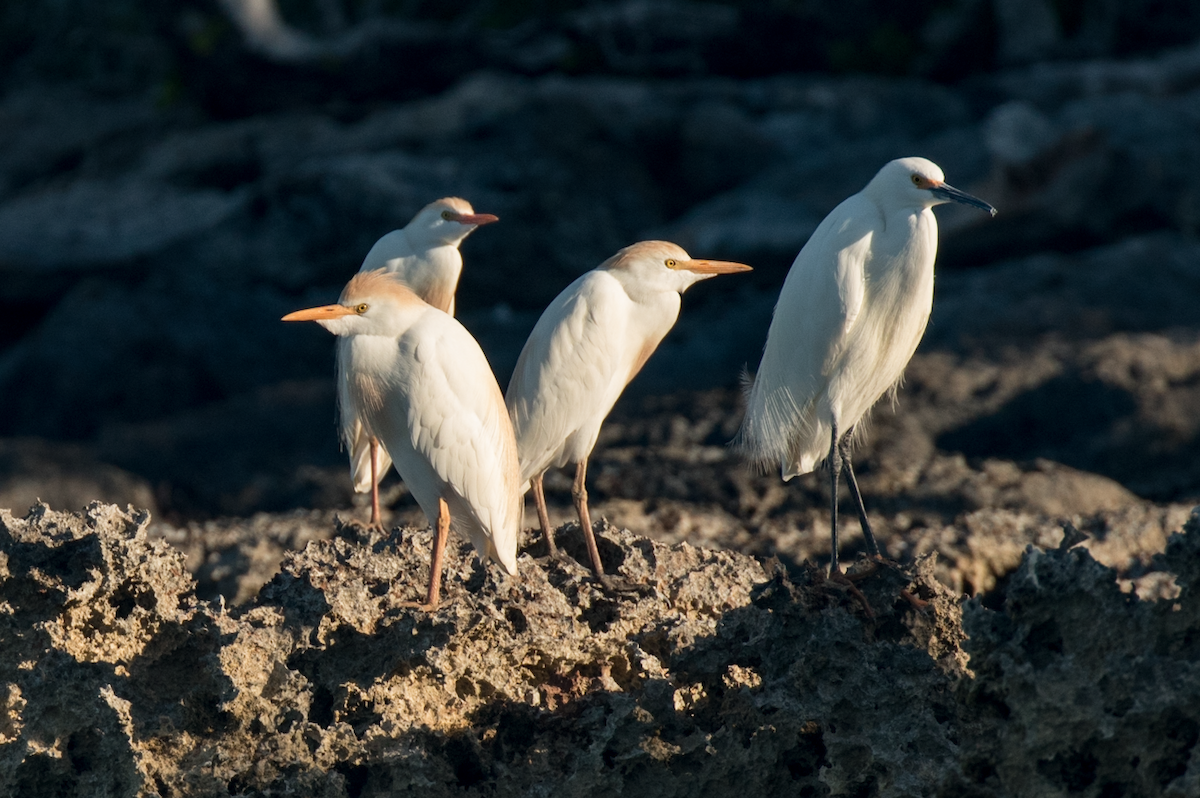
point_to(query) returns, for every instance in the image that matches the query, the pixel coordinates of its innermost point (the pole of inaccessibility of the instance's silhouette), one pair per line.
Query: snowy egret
(849, 317)
(424, 254)
(416, 380)
(586, 347)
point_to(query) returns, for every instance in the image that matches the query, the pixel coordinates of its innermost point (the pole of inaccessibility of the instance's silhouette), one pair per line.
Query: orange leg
(439, 551)
(433, 597)
(375, 521)
(579, 494)
(539, 499)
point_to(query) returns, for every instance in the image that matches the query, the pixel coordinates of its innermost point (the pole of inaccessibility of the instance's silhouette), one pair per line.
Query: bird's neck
(647, 292)
(367, 363)
(370, 353)
(910, 241)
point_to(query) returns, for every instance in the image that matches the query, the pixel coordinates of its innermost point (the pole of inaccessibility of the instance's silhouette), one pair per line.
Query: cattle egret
(425, 256)
(849, 317)
(589, 343)
(415, 379)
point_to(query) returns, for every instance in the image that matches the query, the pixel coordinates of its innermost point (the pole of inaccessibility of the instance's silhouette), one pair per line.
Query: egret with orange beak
(425, 256)
(851, 313)
(414, 378)
(586, 347)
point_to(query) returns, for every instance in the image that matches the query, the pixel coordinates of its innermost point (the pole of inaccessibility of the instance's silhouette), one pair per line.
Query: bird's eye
(448, 216)
(671, 263)
(916, 180)
(360, 308)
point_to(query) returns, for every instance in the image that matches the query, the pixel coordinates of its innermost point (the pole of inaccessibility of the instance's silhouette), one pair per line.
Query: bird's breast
(901, 260)
(371, 370)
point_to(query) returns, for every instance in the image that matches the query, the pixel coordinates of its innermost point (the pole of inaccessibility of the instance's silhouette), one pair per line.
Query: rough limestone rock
(1077, 678)
(713, 674)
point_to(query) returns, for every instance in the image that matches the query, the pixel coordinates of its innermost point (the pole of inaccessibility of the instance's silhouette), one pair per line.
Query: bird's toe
(617, 586)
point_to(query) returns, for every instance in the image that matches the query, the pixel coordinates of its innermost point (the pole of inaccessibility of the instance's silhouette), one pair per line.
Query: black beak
(952, 194)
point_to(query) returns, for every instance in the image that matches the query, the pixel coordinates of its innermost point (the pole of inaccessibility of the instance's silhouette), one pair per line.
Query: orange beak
(713, 266)
(319, 314)
(475, 218)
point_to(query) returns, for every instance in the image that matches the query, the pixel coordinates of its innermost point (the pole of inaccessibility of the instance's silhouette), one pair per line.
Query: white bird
(416, 380)
(425, 255)
(586, 347)
(849, 317)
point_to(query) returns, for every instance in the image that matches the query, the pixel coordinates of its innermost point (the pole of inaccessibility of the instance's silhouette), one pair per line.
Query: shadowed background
(174, 177)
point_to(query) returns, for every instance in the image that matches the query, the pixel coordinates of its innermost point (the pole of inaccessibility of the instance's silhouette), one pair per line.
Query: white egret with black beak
(415, 379)
(425, 256)
(851, 313)
(586, 347)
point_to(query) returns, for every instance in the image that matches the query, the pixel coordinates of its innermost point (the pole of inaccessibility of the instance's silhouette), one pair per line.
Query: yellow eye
(916, 180)
(360, 308)
(448, 216)
(671, 263)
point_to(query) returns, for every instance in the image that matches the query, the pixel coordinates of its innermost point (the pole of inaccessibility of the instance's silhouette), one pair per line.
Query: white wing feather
(458, 439)
(570, 373)
(821, 300)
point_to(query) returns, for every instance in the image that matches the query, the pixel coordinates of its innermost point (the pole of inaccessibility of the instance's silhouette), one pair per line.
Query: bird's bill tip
(949, 193)
(714, 266)
(476, 218)
(319, 314)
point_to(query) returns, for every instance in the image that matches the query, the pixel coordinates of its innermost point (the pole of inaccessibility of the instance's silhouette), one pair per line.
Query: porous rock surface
(713, 674)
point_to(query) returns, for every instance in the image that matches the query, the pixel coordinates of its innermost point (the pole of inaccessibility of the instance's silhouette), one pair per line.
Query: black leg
(848, 466)
(835, 466)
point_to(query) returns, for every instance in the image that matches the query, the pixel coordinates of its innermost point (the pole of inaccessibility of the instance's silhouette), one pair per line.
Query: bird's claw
(442, 603)
(839, 578)
(423, 606)
(871, 567)
(918, 604)
(623, 587)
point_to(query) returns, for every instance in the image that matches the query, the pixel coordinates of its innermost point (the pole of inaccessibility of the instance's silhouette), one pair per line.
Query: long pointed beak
(475, 218)
(952, 194)
(713, 266)
(319, 314)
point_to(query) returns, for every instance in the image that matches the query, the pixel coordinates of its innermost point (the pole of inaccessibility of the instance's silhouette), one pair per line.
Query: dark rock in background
(175, 184)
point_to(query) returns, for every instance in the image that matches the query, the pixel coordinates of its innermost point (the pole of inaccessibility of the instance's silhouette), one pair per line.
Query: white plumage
(586, 347)
(416, 379)
(851, 313)
(424, 255)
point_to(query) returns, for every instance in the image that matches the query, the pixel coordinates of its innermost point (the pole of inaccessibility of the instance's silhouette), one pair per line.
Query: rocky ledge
(718, 674)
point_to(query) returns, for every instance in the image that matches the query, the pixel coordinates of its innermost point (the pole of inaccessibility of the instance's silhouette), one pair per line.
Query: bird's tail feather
(776, 431)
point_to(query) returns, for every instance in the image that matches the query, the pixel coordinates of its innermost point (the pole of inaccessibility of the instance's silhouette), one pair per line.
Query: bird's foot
(446, 599)
(866, 568)
(841, 579)
(870, 568)
(917, 603)
(615, 585)
(429, 606)
(366, 526)
(423, 606)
